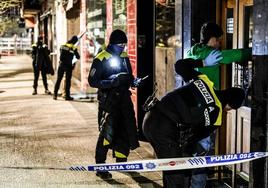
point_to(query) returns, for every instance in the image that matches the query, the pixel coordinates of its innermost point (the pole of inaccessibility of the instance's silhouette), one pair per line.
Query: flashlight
(114, 62)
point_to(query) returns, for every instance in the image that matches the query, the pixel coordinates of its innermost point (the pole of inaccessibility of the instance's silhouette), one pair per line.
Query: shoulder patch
(92, 72)
(64, 47)
(70, 46)
(103, 54)
(124, 54)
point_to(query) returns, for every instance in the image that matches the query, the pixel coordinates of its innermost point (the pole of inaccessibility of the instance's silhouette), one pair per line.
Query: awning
(29, 22)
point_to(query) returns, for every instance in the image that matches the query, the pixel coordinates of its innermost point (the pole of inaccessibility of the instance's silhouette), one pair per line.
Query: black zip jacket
(196, 105)
(67, 52)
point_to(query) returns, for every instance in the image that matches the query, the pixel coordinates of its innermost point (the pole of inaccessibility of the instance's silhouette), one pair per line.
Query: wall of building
(84, 67)
(60, 30)
(259, 115)
(73, 28)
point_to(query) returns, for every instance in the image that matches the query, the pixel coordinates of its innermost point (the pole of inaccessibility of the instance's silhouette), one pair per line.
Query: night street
(173, 91)
(40, 136)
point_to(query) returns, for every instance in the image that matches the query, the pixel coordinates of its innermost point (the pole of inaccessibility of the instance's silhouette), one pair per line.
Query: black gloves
(115, 82)
(139, 81)
(120, 79)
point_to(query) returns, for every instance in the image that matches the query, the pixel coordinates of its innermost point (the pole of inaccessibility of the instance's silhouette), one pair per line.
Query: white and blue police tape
(174, 163)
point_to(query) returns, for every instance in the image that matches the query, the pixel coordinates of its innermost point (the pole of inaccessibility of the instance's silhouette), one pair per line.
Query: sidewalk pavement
(39, 135)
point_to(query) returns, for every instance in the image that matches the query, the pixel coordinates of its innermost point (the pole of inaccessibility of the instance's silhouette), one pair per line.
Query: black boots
(104, 175)
(120, 160)
(69, 98)
(47, 92)
(108, 175)
(34, 92)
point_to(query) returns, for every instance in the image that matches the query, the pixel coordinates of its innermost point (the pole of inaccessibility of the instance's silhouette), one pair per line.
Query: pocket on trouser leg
(121, 160)
(112, 101)
(107, 129)
(120, 156)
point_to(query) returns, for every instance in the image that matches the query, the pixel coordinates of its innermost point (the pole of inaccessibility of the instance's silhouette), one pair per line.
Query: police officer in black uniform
(41, 63)
(67, 52)
(111, 73)
(182, 117)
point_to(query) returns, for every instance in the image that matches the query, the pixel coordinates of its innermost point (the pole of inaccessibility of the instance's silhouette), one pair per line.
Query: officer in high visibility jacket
(67, 53)
(41, 63)
(111, 73)
(182, 117)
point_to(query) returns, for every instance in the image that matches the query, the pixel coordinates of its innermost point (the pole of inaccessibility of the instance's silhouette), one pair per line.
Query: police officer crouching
(174, 124)
(111, 73)
(67, 52)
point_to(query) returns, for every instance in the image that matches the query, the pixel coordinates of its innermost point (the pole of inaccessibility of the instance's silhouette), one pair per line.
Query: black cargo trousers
(68, 70)
(165, 139)
(37, 71)
(115, 112)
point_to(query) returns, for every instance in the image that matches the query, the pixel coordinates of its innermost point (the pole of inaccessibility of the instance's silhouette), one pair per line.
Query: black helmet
(118, 37)
(73, 40)
(209, 30)
(234, 97)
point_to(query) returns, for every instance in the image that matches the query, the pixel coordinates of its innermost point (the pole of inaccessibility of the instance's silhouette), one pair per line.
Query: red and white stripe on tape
(174, 163)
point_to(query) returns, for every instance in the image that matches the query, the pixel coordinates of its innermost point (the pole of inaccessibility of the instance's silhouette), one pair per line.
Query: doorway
(237, 17)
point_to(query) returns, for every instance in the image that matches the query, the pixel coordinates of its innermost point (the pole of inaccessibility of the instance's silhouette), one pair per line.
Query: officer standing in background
(41, 63)
(111, 73)
(67, 52)
(186, 115)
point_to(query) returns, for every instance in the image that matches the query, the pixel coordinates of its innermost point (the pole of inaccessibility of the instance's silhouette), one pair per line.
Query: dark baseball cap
(118, 37)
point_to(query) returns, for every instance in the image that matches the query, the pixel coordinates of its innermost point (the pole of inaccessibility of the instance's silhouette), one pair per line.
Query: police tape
(174, 163)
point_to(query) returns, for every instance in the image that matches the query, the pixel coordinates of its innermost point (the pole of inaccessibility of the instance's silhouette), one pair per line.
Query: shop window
(164, 23)
(96, 25)
(120, 15)
(165, 44)
(243, 74)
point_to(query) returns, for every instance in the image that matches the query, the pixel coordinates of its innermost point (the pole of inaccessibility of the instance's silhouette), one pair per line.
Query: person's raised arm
(236, 55)
(186, 67)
